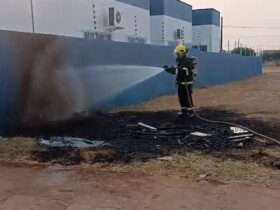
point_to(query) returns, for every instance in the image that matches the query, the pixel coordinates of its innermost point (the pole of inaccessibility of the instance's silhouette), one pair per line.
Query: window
(136, 39)
(203, 48)
(89, 35)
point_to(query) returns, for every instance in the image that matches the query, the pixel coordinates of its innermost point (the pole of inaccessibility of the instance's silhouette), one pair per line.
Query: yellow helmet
(181, 49)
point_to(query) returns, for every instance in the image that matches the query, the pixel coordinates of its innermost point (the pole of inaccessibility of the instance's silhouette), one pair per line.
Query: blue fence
(215, 68)
(24, 58)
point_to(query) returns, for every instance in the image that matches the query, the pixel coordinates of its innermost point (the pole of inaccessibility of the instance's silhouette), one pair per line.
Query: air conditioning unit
(115, 17)
(179, 34)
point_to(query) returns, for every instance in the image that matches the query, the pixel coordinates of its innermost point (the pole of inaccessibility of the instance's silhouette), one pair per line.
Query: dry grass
(18, 149)
(189, 165)
(194, 166)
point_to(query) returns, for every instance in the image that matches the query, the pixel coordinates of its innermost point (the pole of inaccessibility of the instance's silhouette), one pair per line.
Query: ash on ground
(146, 135)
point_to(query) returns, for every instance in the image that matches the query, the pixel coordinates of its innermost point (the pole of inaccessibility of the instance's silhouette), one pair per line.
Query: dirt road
(63, 188)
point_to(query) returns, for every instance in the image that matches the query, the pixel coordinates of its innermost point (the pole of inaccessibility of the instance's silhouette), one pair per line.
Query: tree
(244, 51)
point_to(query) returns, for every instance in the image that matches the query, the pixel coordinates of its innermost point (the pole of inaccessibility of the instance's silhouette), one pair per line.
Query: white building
(164, 22)
(171, 22)
(119, 20)
(206, 30)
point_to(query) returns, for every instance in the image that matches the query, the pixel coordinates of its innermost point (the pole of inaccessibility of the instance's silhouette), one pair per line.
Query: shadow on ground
(131, 142)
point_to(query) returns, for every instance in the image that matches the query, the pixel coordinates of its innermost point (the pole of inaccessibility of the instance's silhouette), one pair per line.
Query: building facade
(163, 22)
(171, 22)
(118, 20)
(206, 30)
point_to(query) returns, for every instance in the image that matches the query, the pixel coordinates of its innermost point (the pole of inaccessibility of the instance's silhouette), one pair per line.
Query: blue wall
(172, 8)
(206, 17)
(215, 68)
(8, 77)
(19, 53)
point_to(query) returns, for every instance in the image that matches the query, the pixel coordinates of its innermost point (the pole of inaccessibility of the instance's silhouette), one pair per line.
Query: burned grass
(140, 150)
(129, 143)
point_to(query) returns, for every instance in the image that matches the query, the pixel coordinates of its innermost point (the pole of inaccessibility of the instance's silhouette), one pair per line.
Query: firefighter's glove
(165, 67)
(171, 70)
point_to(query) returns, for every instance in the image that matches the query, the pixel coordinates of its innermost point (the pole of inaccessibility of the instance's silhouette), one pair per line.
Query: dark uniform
(184, 77)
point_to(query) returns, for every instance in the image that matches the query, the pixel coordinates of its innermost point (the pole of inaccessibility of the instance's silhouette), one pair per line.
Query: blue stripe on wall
(206, 17)
(172, 8)
(216, 68)
(3, 87)
(9, 73)
(145, 4)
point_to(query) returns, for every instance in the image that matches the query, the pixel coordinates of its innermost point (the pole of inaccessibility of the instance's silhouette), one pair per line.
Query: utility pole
(228, 46)
(32, 16)
(222, 34)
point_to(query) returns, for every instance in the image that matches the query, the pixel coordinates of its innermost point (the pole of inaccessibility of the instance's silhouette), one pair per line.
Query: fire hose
(198, 116)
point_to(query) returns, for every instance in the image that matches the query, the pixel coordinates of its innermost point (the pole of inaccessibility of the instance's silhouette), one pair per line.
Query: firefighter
(184, 76)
